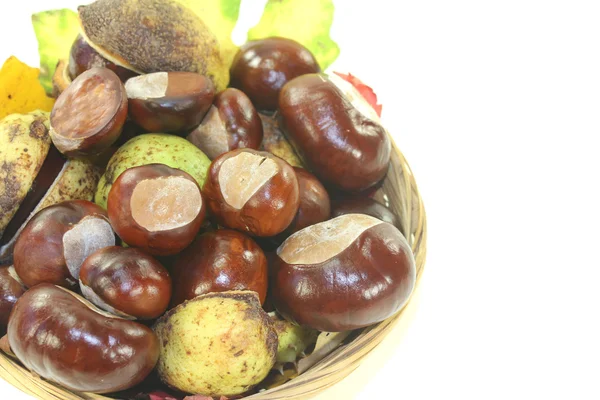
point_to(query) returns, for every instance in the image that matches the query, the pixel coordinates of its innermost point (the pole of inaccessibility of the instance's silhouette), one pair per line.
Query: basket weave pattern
(399, 192)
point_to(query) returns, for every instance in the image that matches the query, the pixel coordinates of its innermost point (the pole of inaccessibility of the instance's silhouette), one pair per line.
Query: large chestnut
(65, 339)
(252, 191)
(364, 205)
(231, 123)
(89, 114)
(169, 101)
(56, 241)
(335, 131)
(156, 208)
(11, 288)
(126, 282)
(262, 67)
(219, 261)
(346, 273)
(84, 57)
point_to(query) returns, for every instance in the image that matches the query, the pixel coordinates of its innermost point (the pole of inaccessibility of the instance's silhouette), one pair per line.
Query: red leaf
(365, 90)
(161, 396)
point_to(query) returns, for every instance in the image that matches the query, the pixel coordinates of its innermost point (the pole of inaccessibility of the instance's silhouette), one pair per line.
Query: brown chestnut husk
(219, 261)
(346, 273)
(169, 101)
(89, 114)
(262, 67)
(65, 339)
(335, 131)
(252, 191)
(126, 282)
(156, 208)
(56, 241)
(231, 123)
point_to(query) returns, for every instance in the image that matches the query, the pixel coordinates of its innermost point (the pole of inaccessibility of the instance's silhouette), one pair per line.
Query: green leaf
(56, 30)
(220, 16)
(305, 21)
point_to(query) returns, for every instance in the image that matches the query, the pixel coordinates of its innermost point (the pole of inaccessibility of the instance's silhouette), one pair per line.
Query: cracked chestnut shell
(126, 282)
(252, 191)
(262, 67)
(83, 57)
(156, 208)
(335, 131)
(219, 261)
(65, 339)
(346, 273)
(56, 241)
(231, 123)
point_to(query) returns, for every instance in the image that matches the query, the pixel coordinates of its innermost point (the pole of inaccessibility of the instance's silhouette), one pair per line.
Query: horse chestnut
(219, 261)
(252, 191)
(346, 273)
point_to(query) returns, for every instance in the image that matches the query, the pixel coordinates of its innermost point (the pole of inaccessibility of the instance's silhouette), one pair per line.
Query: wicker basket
(399, 192)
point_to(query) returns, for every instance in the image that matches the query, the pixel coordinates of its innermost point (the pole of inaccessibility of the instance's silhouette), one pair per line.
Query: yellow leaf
(20, 89)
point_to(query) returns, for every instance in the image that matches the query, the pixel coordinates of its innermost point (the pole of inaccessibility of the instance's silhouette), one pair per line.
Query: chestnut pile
(228, 228)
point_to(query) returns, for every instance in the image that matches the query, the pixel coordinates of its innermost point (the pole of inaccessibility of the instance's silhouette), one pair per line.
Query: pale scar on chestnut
(165, 203)
(240, 177)
(150, 86)
(318, 243)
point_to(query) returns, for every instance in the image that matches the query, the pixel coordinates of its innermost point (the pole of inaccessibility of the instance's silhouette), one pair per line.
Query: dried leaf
(20, 89)
(276, 143)
(326, 343)
(56, 30)
(305, 21)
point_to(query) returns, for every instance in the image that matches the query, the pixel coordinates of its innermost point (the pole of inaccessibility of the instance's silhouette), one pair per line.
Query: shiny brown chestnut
(346, 273)
(169, 101)
(314, 206)
(126, 282)
(262, 67)
(252, 191)
(89, 114)
(56, 241)
(364, 205)
(83, 57)
(335, 131)
(65, 339)
(11, 288)
(231, 123)
(156, 208)
(219, 261)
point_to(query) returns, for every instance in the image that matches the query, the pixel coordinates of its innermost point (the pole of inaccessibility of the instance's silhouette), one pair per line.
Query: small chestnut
(65, 339)
(83, 57)
(89, 114)
(169, 101)
(231, 123)
(252, 191)
(346, 273)
(219, 261)
(56, 241)
(156, 208)
(364, 205)
(126, 282)
(11, 288)
(262, 67)
(314, 205)
(335, 131)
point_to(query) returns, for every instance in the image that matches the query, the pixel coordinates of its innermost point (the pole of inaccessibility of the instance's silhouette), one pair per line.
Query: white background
(496, 106)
